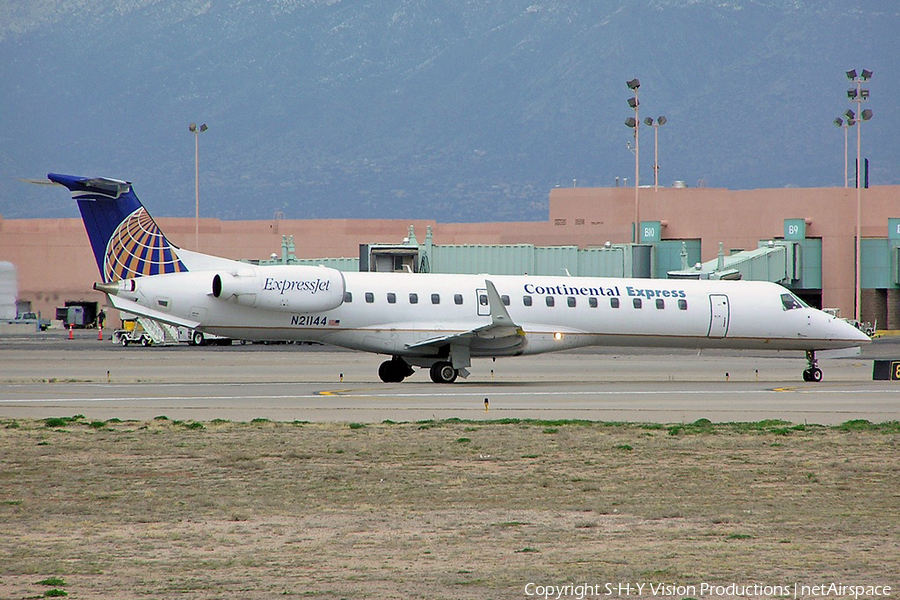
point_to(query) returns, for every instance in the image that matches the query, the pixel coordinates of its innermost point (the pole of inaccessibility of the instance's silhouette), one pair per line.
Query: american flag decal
(334, 322)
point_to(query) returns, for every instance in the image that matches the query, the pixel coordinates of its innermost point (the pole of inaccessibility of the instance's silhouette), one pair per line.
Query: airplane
(438, 322)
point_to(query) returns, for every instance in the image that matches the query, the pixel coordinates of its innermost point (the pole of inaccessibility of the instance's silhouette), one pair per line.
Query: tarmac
(48, 375)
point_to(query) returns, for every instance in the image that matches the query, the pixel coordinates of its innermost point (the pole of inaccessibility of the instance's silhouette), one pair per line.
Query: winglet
(499, 314)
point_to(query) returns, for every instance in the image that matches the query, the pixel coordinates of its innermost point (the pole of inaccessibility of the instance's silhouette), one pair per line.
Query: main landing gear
(397, 369)
(394, 370)
(813, 372)
(443, 372)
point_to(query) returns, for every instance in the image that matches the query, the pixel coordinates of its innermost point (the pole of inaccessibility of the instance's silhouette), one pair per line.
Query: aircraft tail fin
(126, 241)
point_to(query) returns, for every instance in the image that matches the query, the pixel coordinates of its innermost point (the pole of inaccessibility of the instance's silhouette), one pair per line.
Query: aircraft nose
(851, 333)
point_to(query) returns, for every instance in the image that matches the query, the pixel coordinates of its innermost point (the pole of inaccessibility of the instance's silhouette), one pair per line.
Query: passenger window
(482, 299)
(435, 298)
(571, 301)
(348, 297)
(504, 299)
(790, 302)
(592, 302)
(636, 302)
(391, 298)
(682, 304)
(614, 303)
(660, 303)
(526, 300)
(413, 298)
(457, 298)
(551, 301)
(370, 297)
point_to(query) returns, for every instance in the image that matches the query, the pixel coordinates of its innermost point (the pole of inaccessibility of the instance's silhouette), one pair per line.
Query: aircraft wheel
(384, 371)
(813, 375)
(443, 372)
(389, 373)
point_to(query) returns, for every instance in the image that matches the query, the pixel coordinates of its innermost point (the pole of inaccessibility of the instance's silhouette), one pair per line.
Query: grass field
(440, 509)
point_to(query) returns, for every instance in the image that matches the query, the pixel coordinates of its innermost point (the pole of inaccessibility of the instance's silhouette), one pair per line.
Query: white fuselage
(397, 313)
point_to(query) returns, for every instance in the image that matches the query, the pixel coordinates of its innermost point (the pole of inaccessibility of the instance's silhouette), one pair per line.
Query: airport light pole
(845, 126)
(858, 94)
(197, 131)
(659, 123)
(634, 123)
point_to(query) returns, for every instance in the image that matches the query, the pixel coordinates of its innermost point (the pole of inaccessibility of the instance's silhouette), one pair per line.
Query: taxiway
(50, 377)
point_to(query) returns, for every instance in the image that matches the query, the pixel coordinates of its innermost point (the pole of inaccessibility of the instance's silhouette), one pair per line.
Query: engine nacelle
(286, 288)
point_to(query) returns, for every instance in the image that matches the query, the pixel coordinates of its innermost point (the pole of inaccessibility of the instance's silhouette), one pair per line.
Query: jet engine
(285, 288)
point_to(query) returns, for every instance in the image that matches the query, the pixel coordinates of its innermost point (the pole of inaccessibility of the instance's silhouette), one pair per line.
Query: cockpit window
(790, 302)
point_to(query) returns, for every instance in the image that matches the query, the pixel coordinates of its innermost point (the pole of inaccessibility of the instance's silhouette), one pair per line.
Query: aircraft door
(719, 315)
(482, 302)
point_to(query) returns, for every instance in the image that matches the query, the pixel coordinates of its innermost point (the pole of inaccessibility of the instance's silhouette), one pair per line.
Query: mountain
(445, 109)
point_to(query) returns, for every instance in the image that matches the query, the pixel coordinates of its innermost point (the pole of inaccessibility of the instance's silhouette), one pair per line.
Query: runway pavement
(47, 375)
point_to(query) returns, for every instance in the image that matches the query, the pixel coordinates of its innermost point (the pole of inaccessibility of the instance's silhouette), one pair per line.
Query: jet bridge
(777, 261)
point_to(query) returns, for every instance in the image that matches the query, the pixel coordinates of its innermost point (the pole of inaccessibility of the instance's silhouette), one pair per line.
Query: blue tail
(126, 241)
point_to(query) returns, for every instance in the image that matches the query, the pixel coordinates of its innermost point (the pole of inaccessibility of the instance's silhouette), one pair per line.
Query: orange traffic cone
(100, 333)
(71, 332)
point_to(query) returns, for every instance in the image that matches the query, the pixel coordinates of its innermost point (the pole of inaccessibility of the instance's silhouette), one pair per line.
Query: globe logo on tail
(138, 248)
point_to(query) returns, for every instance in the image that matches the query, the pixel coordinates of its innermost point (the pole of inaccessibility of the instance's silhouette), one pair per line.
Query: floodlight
(192, 127)
(866, 75)
(851, 116)
(661, 120)
(203, 128)
(839, 122)
(851, 74)
(866, 114)
(630, 122)
(633, 102)
(864, 94)
(852, 94)
(633, 84)
(649, 121)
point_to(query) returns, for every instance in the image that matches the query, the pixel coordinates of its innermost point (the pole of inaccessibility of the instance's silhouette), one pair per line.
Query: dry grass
(439, 510)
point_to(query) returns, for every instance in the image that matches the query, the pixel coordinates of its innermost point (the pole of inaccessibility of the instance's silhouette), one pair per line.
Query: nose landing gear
(812, 373)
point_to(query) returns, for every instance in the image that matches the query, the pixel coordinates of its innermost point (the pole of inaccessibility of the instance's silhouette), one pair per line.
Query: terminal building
(803, 238)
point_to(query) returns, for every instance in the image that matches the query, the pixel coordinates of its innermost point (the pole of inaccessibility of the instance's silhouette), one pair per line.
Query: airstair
(162, 334)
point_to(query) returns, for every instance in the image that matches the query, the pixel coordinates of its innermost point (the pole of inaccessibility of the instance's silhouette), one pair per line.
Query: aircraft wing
(134, 308)
(501, 328)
